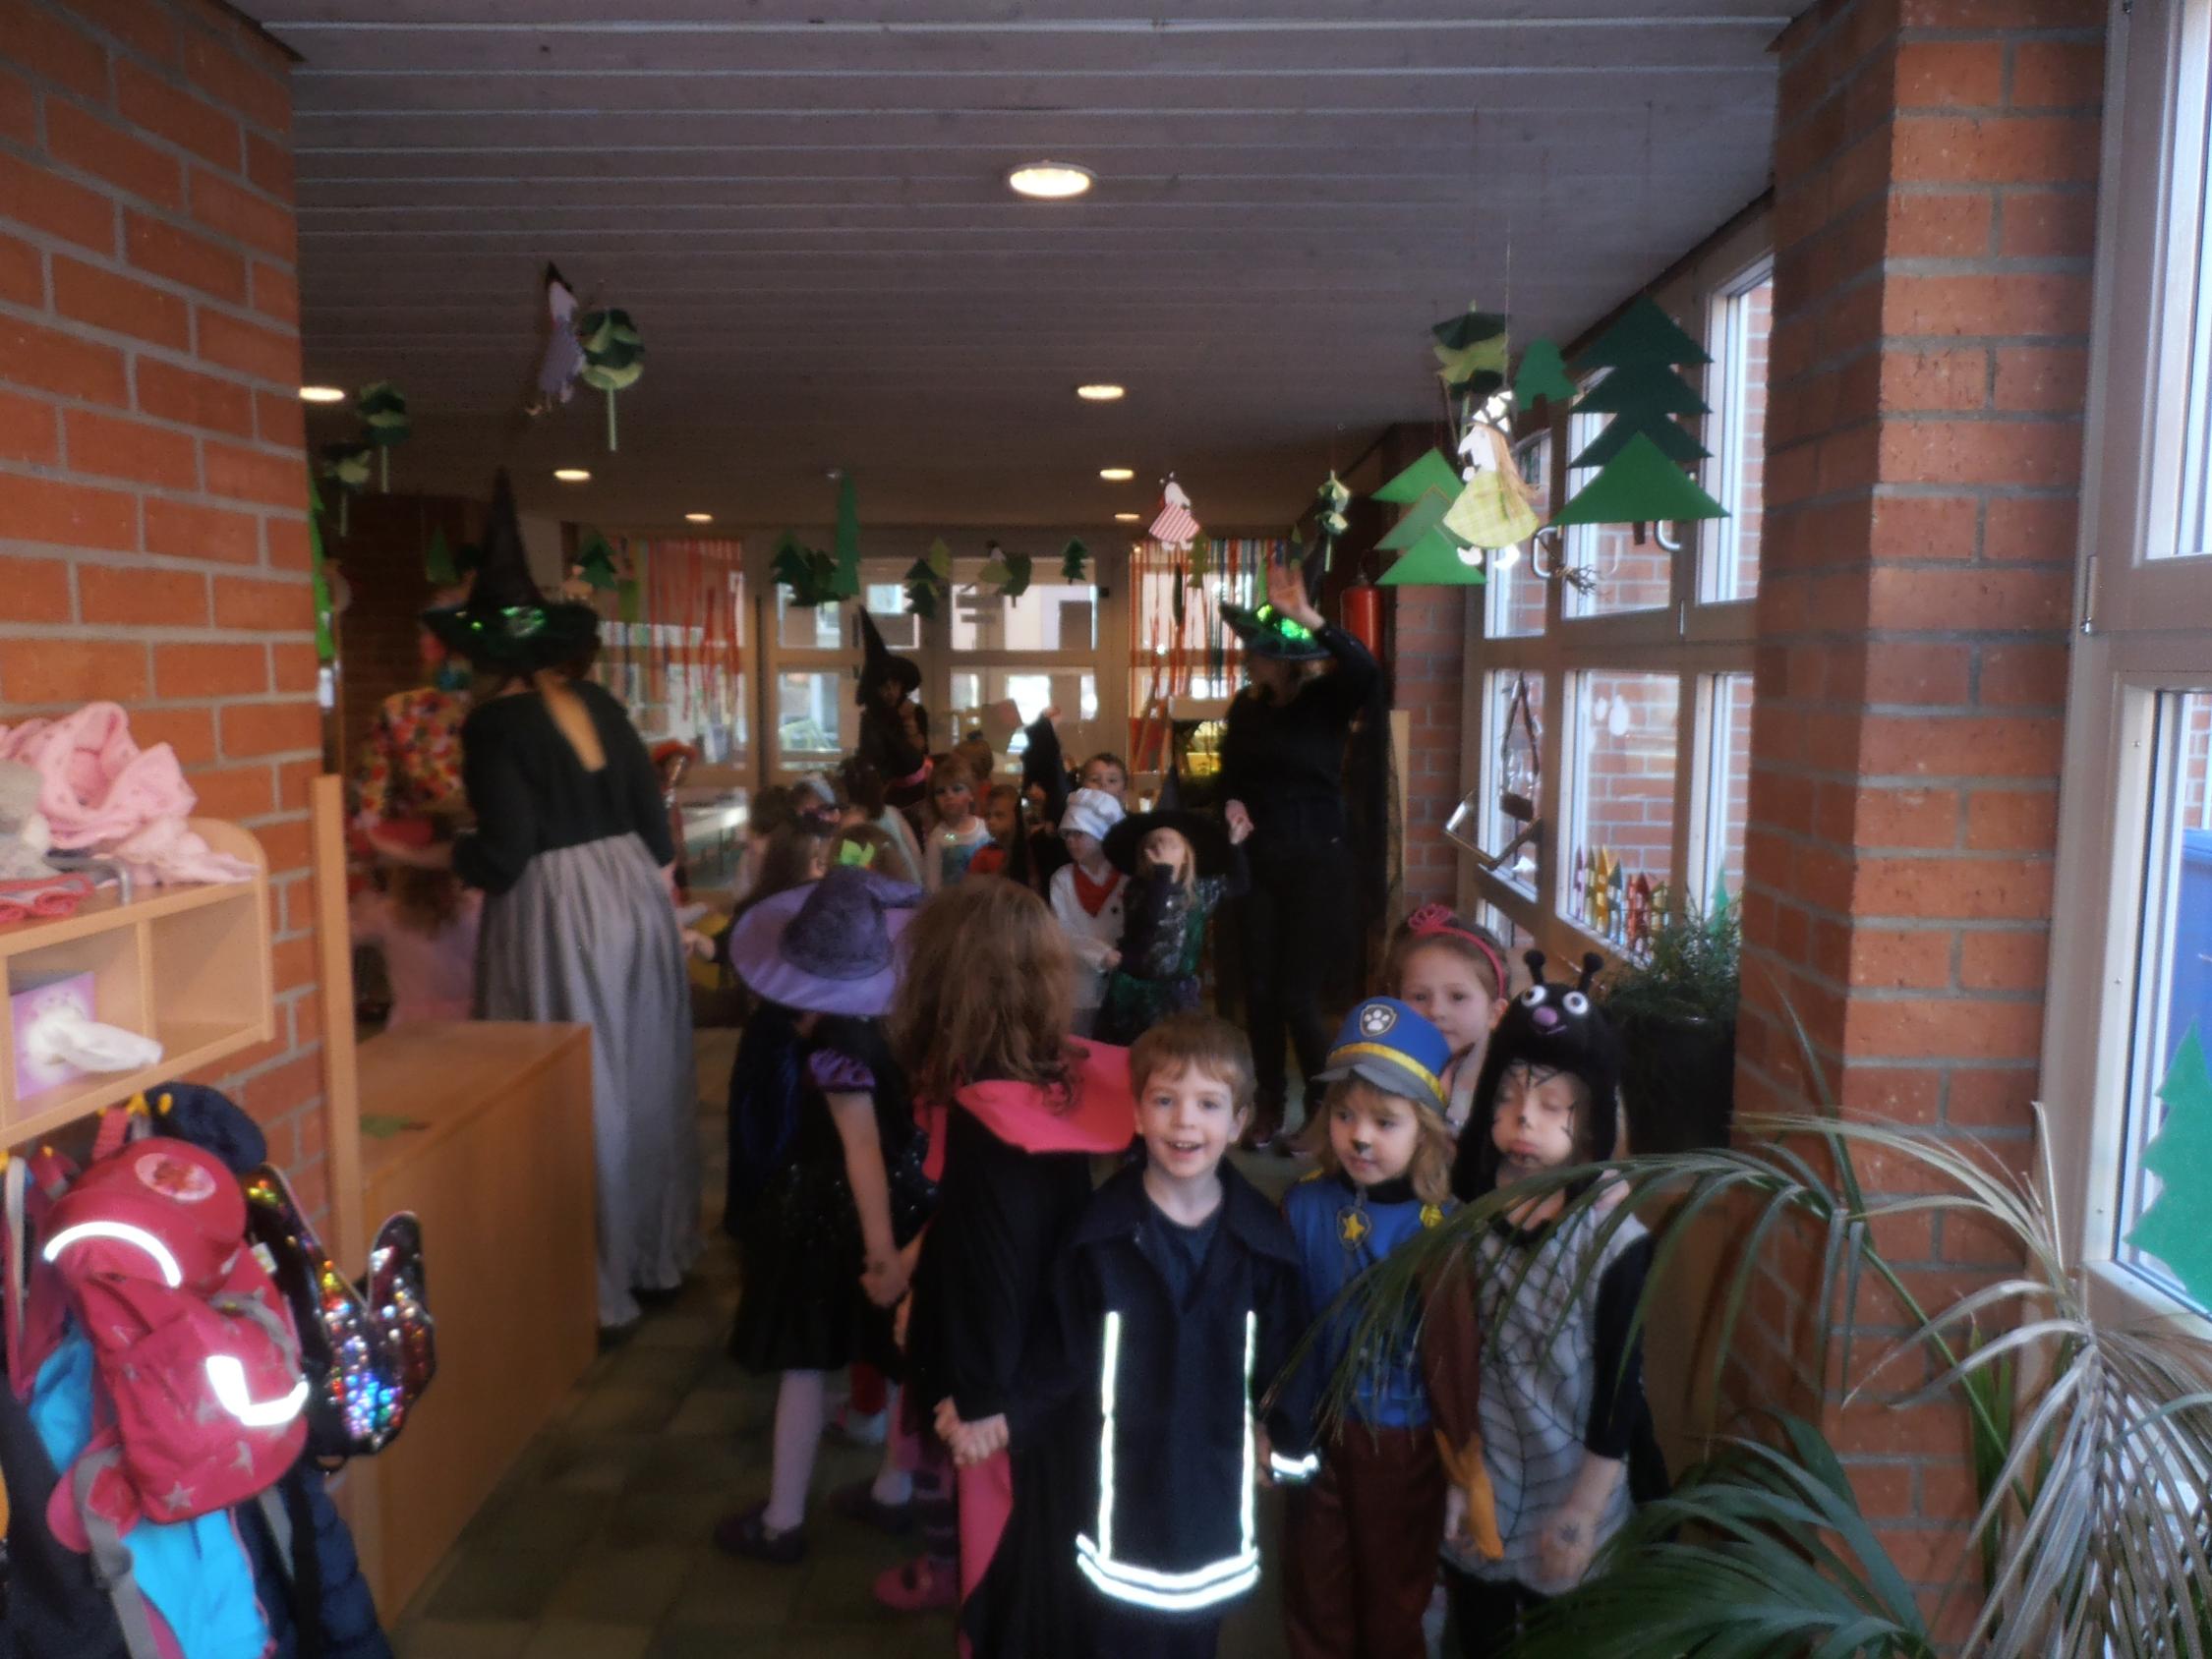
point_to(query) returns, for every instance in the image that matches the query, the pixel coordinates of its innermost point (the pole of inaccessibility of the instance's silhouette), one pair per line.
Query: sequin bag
(368, 1351)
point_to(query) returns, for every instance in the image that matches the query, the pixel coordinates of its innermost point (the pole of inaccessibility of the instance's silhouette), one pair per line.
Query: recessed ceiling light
(322, 395)
(1102, 391)
(572, 475)
(1127, 518)
(1116, 475)
(1050, 181)
(698, 518)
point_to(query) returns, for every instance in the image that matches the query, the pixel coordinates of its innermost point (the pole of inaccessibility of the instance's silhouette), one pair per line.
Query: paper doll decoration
(384, 419)
(2177, 1227)
(613, 357)
(1640, 453)
(561, 363)
(1495, 508)
(1175, 526)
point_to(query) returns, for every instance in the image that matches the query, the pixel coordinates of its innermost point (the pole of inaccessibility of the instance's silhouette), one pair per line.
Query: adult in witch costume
(570, 842)
(1283, 783)
(894, 725)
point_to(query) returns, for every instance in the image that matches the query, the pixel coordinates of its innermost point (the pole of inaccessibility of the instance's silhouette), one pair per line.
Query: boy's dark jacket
(1186, 1381)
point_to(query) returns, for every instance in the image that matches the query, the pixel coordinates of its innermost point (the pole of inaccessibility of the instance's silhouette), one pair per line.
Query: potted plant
(1676, 1010)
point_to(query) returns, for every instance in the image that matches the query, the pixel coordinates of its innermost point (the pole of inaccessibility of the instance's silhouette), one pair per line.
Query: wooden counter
(496, 1161)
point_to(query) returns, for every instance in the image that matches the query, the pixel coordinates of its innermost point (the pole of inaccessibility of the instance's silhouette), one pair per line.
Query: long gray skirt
(588, 936)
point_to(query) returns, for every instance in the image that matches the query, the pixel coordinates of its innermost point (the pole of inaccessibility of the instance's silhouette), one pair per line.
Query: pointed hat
(878, 663)
(506, 623)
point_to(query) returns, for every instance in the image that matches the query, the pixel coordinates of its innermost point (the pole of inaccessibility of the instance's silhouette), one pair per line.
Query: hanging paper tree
(595, 561)
(563, 361)
(1542, 379)
(1430, 471)
(1174, 524)
(1427, 489)
(439, 568)
(346, 466)
(1641, 451)
(1072, 558)
(613, 357)
(2177, 1229)
(808, 574)
(383, 414)
(928, 579)
(1006, 574)
(847, 545)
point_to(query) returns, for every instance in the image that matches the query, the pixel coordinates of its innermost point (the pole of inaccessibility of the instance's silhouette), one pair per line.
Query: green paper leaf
(2177, 1229)
(1430, 471)
(437, 562)
(1456, 333)
(1433, 561)
(1072, 558)
(1469, 365)
(1643, 333)
(848, 538)
(1018, 570)
(1640, 485)
(1425, 515)
(1542, 377)
(613, 350)
(347, 465)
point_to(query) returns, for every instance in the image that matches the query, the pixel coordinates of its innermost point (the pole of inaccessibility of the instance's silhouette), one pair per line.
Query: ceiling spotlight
(572, 475)
(1102, 391)
(698, 518)
(322, 395)
(1116, 475)
(1050, 181)
(1127, 518)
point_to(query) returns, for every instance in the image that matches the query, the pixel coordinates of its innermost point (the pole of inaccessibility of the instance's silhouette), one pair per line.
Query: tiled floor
(597, 1546)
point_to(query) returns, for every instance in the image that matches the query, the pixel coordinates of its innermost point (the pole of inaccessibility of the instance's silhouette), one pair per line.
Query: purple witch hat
(828, 946)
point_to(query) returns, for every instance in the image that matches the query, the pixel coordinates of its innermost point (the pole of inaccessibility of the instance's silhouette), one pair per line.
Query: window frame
(2142, 618)
(1724, 469)
(1694, 640)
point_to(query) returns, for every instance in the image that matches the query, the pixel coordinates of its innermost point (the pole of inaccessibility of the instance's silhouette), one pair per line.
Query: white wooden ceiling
(803, 203)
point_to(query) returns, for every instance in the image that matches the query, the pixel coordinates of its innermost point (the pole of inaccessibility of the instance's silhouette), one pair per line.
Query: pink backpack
(202, 1400)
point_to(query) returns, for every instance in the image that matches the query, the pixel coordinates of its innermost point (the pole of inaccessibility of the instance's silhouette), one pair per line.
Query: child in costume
(959, 832)
(1563, 1414)
(1175, 1304)
(827, 1244)
(1366, 1533)
(866, 804)
(894, 725)
(1109, 774)
(1086, 898)
(982, 1025)
(1001, 855)
(1045, 787)
(425, 922)
(1453, 971)
(1181, 865)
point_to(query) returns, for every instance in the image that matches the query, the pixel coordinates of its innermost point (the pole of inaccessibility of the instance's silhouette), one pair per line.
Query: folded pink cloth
(103, 794)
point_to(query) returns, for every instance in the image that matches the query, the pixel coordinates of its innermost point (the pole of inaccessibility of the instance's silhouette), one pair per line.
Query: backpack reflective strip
(123, 1232)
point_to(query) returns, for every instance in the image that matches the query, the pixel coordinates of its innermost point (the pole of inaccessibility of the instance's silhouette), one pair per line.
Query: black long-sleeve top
(1285, 760)
(531, 793)
(884, 745)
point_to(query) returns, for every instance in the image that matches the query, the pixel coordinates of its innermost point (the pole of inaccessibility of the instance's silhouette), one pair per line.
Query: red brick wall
(154, 544)
(1934, 199)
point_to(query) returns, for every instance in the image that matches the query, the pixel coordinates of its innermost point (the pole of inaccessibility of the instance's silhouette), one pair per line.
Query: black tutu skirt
(800, 1306)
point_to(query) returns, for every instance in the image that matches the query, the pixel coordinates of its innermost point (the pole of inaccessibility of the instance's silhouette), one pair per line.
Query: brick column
(1934, 176)
(154, 546)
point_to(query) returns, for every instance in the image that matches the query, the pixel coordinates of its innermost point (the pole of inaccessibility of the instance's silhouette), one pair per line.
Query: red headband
(1433, 920)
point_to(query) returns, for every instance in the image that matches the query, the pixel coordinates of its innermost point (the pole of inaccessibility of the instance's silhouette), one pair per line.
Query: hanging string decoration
(1175, 526)
(928, 579)
(1072, 558)
(345, 465)
(613, 357)
(384, 417)
(1641, 452)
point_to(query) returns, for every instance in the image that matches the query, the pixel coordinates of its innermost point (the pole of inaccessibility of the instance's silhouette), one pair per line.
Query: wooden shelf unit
(186, 965)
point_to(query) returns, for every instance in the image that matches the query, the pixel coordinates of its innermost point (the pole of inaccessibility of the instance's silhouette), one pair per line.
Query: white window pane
(1728, 785)
(802, 627)
(811, 709)
(1515, 601)
(1737, 436)
(1622, 808)
(1630, 575)
(1051, 616)
(2174, 982)
(1034, 688)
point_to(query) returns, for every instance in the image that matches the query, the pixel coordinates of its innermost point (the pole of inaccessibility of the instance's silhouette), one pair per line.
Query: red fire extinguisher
(1362, 614)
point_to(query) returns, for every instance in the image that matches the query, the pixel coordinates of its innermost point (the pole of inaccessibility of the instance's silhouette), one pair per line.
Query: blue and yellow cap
(1391, 1045)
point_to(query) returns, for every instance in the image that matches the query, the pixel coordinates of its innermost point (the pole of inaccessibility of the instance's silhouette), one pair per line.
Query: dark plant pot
(1678, 1083)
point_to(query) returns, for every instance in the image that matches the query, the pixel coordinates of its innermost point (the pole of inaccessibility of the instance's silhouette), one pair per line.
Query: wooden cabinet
(495, 1160)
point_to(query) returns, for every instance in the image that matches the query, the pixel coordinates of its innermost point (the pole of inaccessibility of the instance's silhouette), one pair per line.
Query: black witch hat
(1209, 840)
(506, 624)
(878, 665)
(1264, 631)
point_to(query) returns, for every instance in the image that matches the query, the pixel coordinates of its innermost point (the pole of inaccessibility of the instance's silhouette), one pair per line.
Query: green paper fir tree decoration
(595, 561)
(384, 417)
(1641, 451)
(437, 562)
(2177, 1229)
(847, 540)
(1542, 379)
(1435, 561)
(928, 579)
(1072, 558)
(1432, 472)
(613, 357)
(808, 574)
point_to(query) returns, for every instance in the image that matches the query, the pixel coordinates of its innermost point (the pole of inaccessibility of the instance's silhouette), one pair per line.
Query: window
(2133, 901)
(1197, 659)
(682, 674)
(811, 711)
(1737, 433)
(1051, 616)
(1631, 799)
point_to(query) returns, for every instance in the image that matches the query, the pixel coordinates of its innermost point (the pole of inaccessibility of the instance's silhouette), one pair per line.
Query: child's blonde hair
(987, 993)
(1183, 1041)
(1187, 868)
(1430, 1171)
(949, 772)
